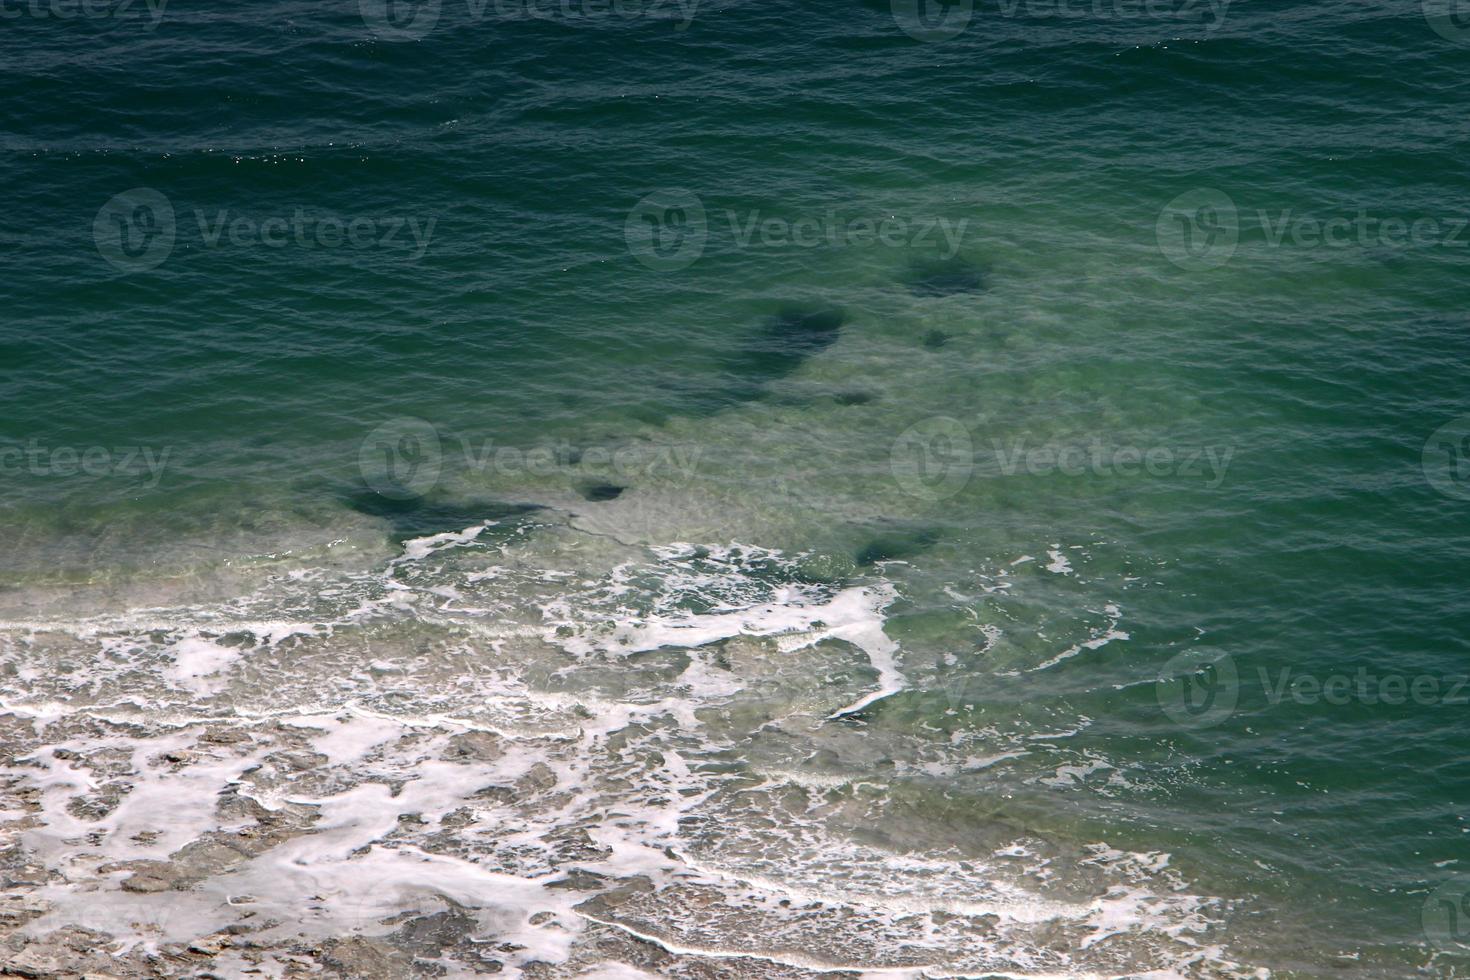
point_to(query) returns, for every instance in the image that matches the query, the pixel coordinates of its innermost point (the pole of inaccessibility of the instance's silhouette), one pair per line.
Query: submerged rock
(946, 277)
(598, 492)
(896, 545)
(434, 513)
(784, 341)
(359, 956)
(474, 747)
(776, 346)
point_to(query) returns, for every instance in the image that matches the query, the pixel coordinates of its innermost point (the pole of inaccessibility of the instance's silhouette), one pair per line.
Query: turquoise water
(907, 426)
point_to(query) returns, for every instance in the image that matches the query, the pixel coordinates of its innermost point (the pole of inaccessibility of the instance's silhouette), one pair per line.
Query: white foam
(415, 549)
(1099, 638)
(510, 737)
(198, 664)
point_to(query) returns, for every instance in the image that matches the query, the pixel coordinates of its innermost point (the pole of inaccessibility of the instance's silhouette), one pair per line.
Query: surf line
(860, 622)
(797, 960)
(918, 971)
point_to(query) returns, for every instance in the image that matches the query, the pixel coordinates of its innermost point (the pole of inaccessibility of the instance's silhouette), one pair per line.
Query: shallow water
(783, 489)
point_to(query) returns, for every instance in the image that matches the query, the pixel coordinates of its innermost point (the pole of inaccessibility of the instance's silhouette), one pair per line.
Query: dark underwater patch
(598, 492)
(935, 339)
(854, 397)
(946, 277)
(791, 336)
(432, 514)
(897, 544)
(776, 345)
